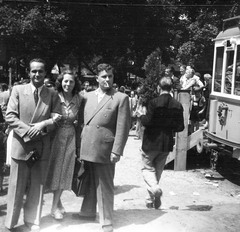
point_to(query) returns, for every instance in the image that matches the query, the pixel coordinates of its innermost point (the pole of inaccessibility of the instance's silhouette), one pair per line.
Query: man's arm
(178, 122)
(146, 119)
(12, 114)
(122, 126)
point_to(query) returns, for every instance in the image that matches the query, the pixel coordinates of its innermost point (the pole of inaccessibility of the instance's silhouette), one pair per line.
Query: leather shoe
(32, 227)
(84, 217)
(7, 229)
(157, 202)
(108, 228)
(149, 203)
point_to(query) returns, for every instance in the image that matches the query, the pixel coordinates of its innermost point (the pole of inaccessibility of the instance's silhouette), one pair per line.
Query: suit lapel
(28, 97)
(41, 105)
(99, 105)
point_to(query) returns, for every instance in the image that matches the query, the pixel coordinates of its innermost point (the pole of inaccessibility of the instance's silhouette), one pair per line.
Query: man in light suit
(105, 132)
(29, 116)
(164, 117)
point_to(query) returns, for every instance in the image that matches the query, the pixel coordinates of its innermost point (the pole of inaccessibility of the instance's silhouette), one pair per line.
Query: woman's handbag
(81, 178)
(32, 157)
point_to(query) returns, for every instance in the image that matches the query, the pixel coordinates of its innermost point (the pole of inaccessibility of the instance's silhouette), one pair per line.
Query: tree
(154, 70)
(33, 30)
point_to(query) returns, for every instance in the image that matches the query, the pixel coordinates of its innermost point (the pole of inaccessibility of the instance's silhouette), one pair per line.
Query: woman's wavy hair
(59, 80)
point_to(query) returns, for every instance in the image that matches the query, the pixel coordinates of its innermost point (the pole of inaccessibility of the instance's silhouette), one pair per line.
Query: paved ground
(191, 203)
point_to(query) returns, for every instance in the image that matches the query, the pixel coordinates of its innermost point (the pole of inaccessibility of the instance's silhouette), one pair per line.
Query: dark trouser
(20, 177)
(101, 191)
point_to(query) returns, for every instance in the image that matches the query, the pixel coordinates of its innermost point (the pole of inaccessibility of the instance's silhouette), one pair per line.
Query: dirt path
(191, 203)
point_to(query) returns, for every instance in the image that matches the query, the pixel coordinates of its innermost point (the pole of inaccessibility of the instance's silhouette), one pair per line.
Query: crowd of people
(189, 80)
(50, 124)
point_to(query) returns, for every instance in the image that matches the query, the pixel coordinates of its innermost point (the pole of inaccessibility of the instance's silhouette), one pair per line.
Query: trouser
(101, 192)
(153, 163)
(22, 176)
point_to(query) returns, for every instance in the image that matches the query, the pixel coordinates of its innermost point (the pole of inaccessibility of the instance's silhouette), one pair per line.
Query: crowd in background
(199, 87)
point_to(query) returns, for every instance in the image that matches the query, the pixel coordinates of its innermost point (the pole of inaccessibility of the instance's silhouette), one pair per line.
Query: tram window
(229, 72)
(218, 69)
(237, 75)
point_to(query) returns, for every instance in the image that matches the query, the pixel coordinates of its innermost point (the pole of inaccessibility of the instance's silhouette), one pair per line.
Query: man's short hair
(172, 70)
(166, 83)
(104, 66)
(190, 71)
(207, 75)
(39, 60)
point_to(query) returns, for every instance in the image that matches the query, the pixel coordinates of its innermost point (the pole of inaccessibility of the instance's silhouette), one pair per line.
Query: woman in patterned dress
(64, 143)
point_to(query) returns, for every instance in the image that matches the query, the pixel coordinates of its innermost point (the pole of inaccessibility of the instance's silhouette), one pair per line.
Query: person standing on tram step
(106, 126)
(164, 117)
(28, 114)
(64, 144)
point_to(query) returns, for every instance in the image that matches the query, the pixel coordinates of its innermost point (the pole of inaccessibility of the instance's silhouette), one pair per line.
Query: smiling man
(105, 132)
(29, 115)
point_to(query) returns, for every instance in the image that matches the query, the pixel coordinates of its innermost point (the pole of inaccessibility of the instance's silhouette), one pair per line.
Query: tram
(223, 132)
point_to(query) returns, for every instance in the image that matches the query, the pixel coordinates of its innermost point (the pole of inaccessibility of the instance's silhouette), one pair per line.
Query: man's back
(164, 117)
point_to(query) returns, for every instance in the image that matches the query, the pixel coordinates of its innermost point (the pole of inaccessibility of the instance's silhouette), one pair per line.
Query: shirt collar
(33, 88)
(74, 99)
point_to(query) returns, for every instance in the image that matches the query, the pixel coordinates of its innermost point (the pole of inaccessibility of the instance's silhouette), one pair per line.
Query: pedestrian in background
(3, 139)
(198, 107)
(29, 112)
(169, 72)
(139, 127)
(133, 105)
(164, 117)
(86, 87)
(105, 132)
(64, 145)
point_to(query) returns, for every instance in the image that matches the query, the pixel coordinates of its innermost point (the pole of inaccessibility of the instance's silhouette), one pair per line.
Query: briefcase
(81, 178)
(32, 157)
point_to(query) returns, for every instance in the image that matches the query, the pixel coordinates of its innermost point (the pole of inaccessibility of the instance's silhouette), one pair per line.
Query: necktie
(36, 96)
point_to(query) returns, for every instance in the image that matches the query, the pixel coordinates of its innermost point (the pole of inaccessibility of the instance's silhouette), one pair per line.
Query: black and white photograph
(119, 115)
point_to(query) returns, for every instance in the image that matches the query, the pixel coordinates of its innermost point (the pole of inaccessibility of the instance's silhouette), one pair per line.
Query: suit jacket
(106, 126)
(22, 111)
(176, 83)
(164, 117)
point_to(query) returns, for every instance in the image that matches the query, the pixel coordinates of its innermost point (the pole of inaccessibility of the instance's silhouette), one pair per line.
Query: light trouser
(153, 163)
(22, 176)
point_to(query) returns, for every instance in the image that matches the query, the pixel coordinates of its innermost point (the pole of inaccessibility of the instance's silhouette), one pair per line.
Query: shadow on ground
(118, 189)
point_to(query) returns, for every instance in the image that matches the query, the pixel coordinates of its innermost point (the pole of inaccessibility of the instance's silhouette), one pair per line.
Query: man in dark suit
(169, 72)
(105, 132)
(164, 117)
(29, 112)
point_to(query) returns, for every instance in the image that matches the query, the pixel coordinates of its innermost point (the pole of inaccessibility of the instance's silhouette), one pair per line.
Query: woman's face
(68, 83)
(182, 70)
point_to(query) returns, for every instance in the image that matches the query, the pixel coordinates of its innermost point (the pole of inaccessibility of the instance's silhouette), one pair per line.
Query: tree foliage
(121, 32)
(33, 30)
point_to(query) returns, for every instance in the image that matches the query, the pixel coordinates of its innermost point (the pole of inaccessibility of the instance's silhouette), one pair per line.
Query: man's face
(188, 74)
(37, 73)
(105, 79)
(182, 70)
(86, 86)
(168, 72)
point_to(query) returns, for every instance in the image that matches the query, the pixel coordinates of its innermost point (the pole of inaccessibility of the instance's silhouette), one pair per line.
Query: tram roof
(231, 28)
(228, 33)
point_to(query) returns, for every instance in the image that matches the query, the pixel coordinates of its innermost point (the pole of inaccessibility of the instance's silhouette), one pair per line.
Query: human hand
(35, 129)
(114, 158)
(56, 117)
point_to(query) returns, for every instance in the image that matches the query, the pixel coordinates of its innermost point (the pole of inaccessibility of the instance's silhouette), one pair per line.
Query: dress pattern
(63, 151)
